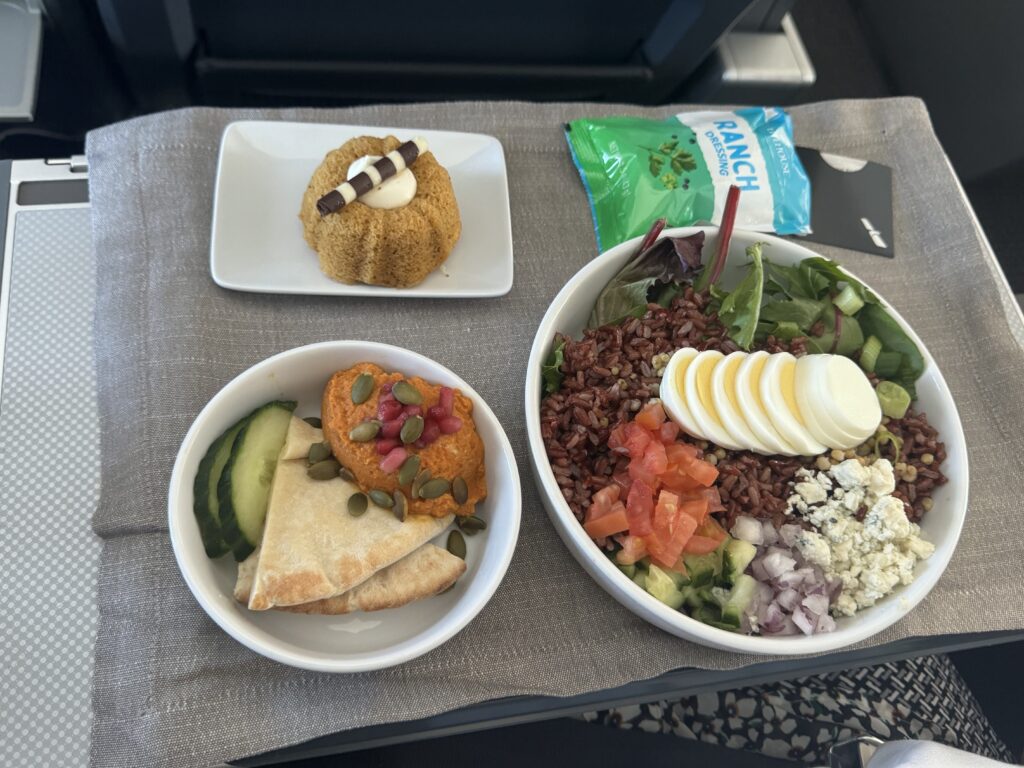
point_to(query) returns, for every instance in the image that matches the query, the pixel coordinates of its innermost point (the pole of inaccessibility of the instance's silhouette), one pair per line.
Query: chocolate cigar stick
(388, 166)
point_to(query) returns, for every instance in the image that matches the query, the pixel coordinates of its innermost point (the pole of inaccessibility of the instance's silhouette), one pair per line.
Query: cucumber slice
(244, 486)
(205, 504)
(740, 597)
(736, 556)
(703, 569)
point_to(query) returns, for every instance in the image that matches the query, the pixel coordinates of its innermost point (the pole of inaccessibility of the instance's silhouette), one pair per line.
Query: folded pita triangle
(312, 548)
(422, 573)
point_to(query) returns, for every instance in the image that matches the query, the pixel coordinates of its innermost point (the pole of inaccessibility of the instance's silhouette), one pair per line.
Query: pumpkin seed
(361, 388)
(401, 508)
(457, 544)
(314, 421)
(460, 491)
(365, 432)
(409, 469)
(318, 452)
(381, 498)
(412, 429)
(346, 474)
(433, 489)
(324, 470)
(471, 524)
(418, 482)
(406, 393)
(357, 504)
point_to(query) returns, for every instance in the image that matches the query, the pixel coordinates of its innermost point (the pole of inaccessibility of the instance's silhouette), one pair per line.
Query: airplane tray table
(50, 555)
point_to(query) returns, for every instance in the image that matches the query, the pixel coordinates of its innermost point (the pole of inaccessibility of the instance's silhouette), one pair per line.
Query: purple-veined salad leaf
(741, 309)
(648, 275)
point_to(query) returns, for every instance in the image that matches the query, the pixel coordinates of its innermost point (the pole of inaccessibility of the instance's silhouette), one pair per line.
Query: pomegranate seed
(412, 410)
(436, 412)
(388, 409)
(393, 460)
(387, 445)
(446, 399)
(390, 429)
(431, 431)
(450, 425)
(386, 388)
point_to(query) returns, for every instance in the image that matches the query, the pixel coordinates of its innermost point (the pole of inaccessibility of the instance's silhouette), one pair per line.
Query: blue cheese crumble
(871, 557)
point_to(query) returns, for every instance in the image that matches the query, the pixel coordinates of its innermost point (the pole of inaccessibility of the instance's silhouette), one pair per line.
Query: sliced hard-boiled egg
(698, 397)
(837, 401)
(673, 385)
(777, 392)
(748, 395)
(723, 395)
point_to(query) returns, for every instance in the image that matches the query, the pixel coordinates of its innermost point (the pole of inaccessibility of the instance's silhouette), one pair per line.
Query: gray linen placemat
(171, 689)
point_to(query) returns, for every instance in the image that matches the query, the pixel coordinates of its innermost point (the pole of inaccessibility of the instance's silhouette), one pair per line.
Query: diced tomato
(714, 499)
(651, 417)
(617, 440)
(637, 471)
(679, 567)
(666, 547)
(700, 545)
(678, 481)
(698, 510)
(702, 472)
(668, 432)
(615, 521)
(640, 507)
(602, 502)
(637, 439)
(712, 530)
(623, 480)
(681, 454)
(633, 548)
(655, 460)
(666, 511)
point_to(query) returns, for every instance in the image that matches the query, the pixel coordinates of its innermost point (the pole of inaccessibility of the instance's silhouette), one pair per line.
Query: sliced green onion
(883, 436)
(888, 364)
(893, 399)
(869, 354)
(848, 300)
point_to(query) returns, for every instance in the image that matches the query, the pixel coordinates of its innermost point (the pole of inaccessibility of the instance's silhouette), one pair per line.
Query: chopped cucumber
(703, 569)
(629, 570)
(739, 599)
(893, 399)
(662, 587)
(244, 486)
(205, 504)
(681, 579)
(736, 556)
(640, 578)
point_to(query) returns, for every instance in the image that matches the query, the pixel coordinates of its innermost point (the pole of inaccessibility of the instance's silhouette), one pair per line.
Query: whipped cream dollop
(395, 192)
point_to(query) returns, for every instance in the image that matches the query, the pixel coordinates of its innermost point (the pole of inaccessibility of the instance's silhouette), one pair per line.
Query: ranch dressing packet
(680, 169)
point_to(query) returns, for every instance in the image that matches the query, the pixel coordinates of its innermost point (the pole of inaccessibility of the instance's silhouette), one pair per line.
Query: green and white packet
(681, 168)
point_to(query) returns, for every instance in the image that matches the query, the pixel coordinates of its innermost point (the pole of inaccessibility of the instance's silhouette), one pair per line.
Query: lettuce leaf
(670, 260)
(876, 322)
(741, 309)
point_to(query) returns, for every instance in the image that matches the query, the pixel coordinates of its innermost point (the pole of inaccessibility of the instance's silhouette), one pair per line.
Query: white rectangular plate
(263, 170)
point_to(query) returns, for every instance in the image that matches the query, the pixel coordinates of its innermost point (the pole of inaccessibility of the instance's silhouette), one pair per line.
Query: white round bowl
(568, 314)
(354, 642)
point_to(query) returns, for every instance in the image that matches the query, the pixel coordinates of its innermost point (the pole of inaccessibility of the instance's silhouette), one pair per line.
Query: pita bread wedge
(312, 548)
(422, 573)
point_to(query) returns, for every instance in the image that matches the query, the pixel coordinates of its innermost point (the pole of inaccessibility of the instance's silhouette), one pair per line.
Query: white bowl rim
(430, 638)
(630, 595)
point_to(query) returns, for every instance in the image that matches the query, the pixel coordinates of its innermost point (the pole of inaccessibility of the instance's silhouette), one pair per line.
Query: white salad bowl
(355, 642)
(568, 314)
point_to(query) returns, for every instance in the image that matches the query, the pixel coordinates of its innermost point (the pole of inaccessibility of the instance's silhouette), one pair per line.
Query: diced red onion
(391, 429)
(825, 623)
(816, 604)
(789, 599)
(803, 621)
(387, 445)
(446, 399)
(768, 533)
(758, 572)
(776, 563)
(388, 409)
(412, 410)
(748, 529)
